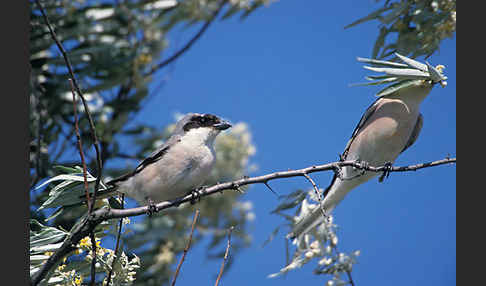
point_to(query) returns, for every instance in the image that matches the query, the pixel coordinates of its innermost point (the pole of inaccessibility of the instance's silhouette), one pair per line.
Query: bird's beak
(223, 125)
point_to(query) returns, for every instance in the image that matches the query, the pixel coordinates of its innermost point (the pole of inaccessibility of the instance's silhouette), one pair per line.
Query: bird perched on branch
(387, 128)
(179, 166)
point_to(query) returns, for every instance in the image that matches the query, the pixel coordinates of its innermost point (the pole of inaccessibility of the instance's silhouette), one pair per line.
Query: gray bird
(179, 166)
(387, 128)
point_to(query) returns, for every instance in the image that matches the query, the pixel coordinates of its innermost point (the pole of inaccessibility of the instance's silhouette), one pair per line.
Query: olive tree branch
(225, 257)
(189, 44)
(186, 249)
(88, 223)
(80, 93)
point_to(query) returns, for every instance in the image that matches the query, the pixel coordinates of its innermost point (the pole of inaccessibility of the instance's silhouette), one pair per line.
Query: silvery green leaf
(381, 63)
(272, 236)
(69, 192)
(47, 247)
(397, 86)
(397, 12)
(290, 202)
(67, 195)
(38, 258)
(412, 63)
(402, 73)
(67, 170)
(64, 177)
(435, 75)
(43, 235)
(377, 77)
(297, 262)
(55, 214)
(33, 270)
(380, 41)
(371, 16)
(386, 80)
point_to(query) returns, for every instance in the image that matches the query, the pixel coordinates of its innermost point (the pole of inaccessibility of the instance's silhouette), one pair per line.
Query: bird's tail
(311, 220)
(333, 194)
(102, 194)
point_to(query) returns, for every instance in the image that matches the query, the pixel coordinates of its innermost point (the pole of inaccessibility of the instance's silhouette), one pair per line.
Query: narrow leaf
(410, 73)
(381, 63)
(374, 15)
(397, 86)
(387, 80)
(435, 74)
(412, 63)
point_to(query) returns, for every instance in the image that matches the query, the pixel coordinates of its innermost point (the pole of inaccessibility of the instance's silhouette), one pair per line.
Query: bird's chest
(385, 136)
(195, 164)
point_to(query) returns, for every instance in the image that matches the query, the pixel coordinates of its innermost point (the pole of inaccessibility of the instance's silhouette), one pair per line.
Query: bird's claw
(363, 165)
(196, 195)
(152, 207)
(386, 173)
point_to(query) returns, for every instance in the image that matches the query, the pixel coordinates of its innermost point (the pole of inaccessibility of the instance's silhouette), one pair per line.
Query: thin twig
(80, 144)
(93, 261)
(186, 249)
(318, 194)
(85, 105)
(348, 272)
(38, 141)
(92, 129)
(268, 186)
(350, 277)
(115, 258)
(81, 154)
(90, 222)
(225, 256)
(189, 44)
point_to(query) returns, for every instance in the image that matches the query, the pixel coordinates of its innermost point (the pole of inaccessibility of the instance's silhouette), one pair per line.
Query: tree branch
(80, 93)
(96, 217)
(188, 44)
(115, 253)
(225, 257)
(186, 249)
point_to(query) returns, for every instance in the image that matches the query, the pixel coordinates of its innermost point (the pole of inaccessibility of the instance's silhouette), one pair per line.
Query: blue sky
(286, 71)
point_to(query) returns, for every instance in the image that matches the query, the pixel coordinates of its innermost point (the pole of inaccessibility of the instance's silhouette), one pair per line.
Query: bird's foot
(359, 170)
(196, 194)
(152, 207)
(363, 165)
(386, 173)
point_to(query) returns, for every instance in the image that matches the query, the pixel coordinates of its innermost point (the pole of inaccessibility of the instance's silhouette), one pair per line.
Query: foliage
(44, 240)
(402, 75)
(412, 27)
(115, 48)
(407, 27)
(320, 243)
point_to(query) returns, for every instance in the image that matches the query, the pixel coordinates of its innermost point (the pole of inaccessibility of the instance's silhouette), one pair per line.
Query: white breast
(185, 166)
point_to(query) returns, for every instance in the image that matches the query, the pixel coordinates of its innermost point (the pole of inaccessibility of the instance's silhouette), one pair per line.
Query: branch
(83, 162)
(115, 258)
(80, 144)
(96, 217)
(188, 44)
(85, 105)
(225, 256)
(186, 249)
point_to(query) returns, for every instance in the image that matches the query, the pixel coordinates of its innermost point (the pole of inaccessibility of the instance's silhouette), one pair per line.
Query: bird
(388, 127)
(179, 166)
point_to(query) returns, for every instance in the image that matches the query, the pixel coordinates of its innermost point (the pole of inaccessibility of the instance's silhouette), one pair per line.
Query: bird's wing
(152, 158)
(415, 132)
(367, 114)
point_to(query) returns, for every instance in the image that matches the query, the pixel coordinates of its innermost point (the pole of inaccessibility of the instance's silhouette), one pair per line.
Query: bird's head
(201, 127)
(401, 76)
